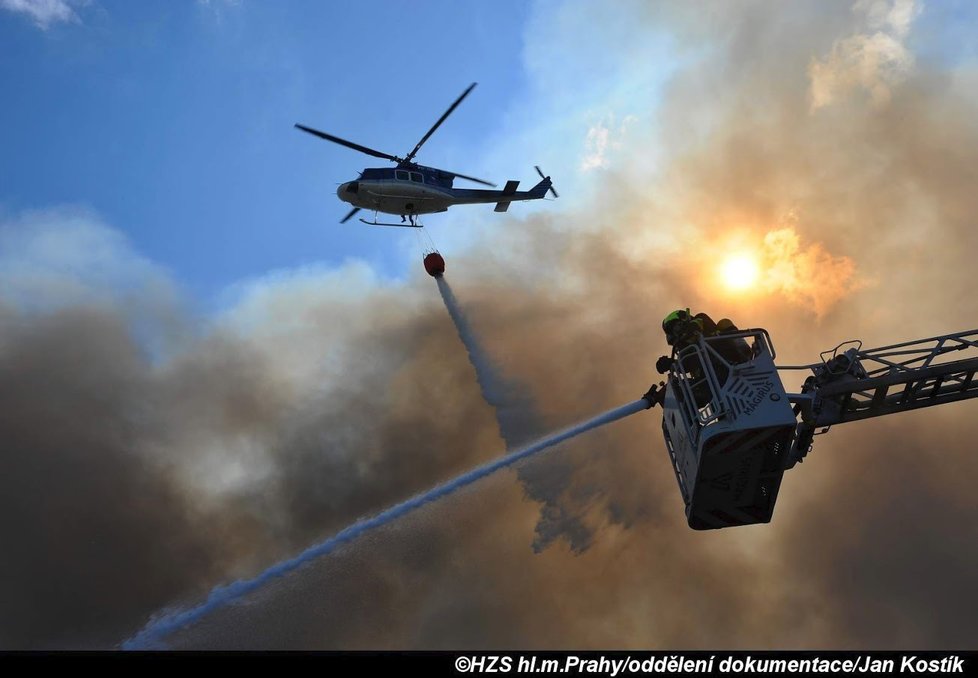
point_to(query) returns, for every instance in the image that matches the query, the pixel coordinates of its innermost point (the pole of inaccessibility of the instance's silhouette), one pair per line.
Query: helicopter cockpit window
(401, 175)
(416, 177)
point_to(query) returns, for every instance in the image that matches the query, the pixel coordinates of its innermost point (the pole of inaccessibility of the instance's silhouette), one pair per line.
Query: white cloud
(65, 256)
(44, 13)
(893, 15)
(290, 315)
(595, 147)
(603, 137)
(875, 59)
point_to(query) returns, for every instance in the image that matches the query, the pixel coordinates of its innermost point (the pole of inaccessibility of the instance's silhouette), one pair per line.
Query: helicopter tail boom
(509, 189)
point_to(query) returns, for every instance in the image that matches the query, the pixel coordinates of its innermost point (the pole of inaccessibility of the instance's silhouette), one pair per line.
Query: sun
(739, 271)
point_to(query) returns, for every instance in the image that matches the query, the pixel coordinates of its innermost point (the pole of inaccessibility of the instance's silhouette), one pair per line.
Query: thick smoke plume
(150, 456)
(155, 632)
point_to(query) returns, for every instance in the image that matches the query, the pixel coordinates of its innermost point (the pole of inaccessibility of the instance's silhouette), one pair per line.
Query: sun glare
(739, 271)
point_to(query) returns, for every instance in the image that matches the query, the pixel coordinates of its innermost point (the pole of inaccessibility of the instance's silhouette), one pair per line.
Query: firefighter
(682, 329)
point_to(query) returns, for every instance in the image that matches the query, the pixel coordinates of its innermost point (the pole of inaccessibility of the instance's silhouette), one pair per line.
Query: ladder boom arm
(860, 384)
(875, 396)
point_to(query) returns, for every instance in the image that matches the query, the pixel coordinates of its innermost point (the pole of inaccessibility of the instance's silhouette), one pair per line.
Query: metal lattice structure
(852, 384)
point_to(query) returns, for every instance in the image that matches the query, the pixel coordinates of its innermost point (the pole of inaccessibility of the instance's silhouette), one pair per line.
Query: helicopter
(410, 189)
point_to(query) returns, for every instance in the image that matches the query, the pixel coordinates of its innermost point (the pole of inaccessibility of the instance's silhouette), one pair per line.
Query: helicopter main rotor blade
(410, 156)
(466, 176)
(348, 144)
(349, 214)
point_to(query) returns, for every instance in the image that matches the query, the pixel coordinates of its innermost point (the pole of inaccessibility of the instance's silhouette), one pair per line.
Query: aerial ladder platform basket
(728, 427)
(731, 430)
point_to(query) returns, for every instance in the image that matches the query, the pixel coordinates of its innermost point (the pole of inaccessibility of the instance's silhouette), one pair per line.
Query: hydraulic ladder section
(851, 384)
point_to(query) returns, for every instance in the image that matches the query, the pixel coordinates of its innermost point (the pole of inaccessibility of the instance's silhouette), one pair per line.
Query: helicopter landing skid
(382, 223)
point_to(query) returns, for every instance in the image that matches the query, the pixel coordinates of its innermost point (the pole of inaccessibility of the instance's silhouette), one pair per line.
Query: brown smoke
(135, 484)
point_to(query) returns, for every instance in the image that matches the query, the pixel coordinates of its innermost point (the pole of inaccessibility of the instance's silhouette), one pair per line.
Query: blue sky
(172, 120)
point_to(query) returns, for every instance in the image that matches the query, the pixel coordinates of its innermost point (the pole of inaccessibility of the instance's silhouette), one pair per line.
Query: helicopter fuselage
(395, 191)
(410, 189)
(422, 190)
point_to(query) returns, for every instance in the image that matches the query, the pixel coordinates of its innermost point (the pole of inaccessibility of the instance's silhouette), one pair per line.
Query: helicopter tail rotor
(544, 177)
